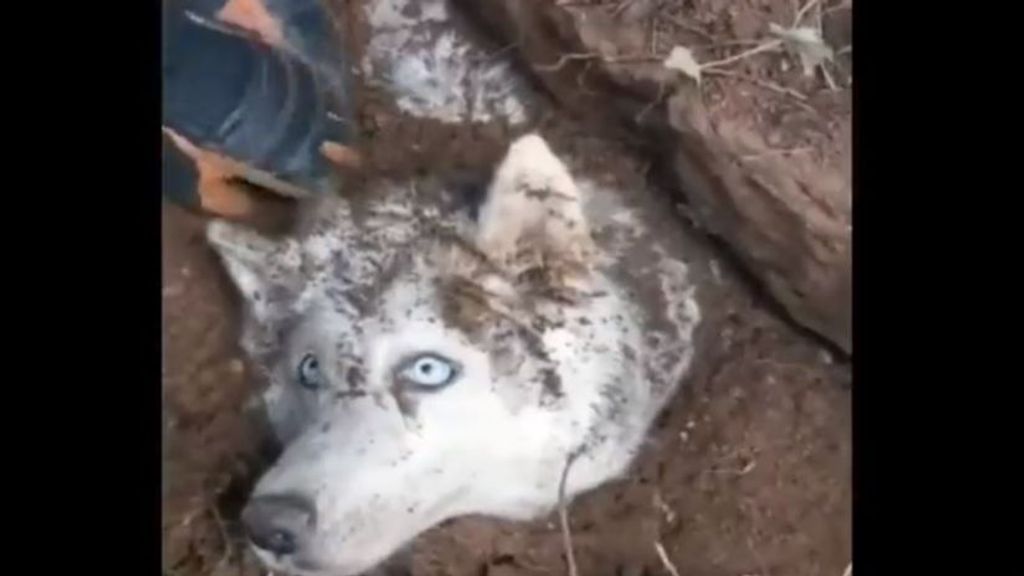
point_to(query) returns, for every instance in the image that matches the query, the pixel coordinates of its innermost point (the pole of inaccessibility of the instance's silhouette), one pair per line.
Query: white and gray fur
(570, 327)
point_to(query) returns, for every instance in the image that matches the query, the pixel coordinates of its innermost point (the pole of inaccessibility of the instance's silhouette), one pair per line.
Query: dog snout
(279, 523)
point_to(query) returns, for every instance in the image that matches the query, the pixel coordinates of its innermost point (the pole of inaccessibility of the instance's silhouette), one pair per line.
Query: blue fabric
(260, 105)
(180, 175)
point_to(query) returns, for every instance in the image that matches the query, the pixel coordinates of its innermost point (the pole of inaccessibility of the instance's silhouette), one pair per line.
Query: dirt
(747, 472)
(797, 115)
(759, 151)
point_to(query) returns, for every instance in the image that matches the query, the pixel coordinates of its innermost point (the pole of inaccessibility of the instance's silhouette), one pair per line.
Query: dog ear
(265, 271)
(531, 224)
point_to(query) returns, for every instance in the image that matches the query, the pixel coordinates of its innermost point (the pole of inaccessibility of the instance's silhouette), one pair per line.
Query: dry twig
(563, 513)
(770, 45)
(499, 52)
(800, 97)
(647, 108)
(783, 151)
(665, 561)
(566, 58)
(224, 537)
(803, 11)
(726, 44)
(829, 80)
(757, 556)
(676, 21)
(844, 5)
(621, 8)
(582, 82)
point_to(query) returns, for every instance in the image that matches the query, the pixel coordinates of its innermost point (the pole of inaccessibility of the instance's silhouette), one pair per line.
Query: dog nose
(277, 523)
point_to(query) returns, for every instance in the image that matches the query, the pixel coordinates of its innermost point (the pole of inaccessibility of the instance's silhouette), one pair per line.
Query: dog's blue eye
(429, 371)
(309, 373)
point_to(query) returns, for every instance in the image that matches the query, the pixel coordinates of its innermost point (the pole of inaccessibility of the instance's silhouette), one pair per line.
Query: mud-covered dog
(425, 362)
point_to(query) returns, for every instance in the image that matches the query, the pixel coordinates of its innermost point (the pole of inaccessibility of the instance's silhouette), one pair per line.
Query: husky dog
(426, 362)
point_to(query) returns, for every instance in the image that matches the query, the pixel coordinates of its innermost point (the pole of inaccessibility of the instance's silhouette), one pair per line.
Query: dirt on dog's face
(423, 366)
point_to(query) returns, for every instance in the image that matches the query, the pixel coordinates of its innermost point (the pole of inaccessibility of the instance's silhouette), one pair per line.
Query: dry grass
(563, 515)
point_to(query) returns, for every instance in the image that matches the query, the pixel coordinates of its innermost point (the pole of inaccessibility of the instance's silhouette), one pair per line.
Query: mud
(747, 472)
(721, 138)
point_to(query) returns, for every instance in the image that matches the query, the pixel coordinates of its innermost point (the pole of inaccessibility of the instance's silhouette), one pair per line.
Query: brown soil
(746, 473)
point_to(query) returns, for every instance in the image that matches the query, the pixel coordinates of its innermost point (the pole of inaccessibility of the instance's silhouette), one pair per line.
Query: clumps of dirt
(747, 472)
(443, 73)
(407, 137)
(759, 149)
(399, 146)
(210, 443)
(801, 117)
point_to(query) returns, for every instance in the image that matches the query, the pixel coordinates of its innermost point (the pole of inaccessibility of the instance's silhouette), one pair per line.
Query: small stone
(236, 366)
